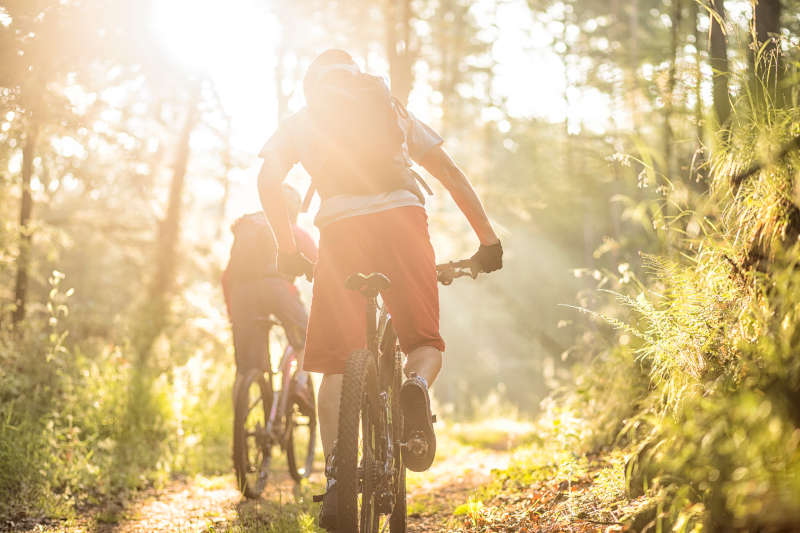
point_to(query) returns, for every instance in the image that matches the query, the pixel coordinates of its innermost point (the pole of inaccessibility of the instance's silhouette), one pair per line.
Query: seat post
(372, 328)
(370, 287)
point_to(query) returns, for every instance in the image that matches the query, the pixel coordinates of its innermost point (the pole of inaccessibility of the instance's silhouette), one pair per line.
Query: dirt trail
(215, 505)
(435, 494)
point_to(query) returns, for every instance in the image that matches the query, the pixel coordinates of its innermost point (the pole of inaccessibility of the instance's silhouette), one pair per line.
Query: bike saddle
(369, 285)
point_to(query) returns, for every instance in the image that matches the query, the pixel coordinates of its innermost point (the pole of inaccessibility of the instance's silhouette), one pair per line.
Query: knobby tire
(356, 415)
(300, 466)
(251, 478)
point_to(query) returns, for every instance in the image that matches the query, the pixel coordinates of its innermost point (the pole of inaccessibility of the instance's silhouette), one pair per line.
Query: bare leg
(425, 361)
(330, 391)
(301, 375)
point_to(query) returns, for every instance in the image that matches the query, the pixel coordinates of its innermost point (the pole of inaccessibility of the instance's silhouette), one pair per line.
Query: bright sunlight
(597, 301)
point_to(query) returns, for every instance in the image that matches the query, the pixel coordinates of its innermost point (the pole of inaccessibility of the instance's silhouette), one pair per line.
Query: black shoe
(420, 440)
(327, 513)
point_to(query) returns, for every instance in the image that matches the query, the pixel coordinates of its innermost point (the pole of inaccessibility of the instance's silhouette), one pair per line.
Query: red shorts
(394, 242)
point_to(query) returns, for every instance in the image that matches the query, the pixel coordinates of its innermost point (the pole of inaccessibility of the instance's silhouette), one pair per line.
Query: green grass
(495, 434)
(81, 425)
(296, 514)
(424, 506)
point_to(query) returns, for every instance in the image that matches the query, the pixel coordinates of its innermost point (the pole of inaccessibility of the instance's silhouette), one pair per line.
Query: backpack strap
(421, 182)
(403, 113)
(399, 107)
(308, 197)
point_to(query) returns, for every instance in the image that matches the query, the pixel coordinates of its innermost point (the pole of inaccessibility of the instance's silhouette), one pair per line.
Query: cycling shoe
(418, 435)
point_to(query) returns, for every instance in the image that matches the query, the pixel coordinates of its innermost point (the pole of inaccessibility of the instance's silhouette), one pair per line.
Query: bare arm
(443, 168)
(269, 191)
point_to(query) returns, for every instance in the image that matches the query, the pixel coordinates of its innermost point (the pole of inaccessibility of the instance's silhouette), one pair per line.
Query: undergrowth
(690, 422)
(81, 425)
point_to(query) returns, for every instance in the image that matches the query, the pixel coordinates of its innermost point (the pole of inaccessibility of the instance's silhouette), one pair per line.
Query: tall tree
(765, 57)
(718, 58)
(156, 309)
(457, 57)
(43, 42)
(633, 64)
(697, 37)
(400, 51)
(669, 97)
(25, 212)
(699, 157)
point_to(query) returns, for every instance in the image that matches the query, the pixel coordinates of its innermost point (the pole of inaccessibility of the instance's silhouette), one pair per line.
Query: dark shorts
(394, 242)
(254, 300)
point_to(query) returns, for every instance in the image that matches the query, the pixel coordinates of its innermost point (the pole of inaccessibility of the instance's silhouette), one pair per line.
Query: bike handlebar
(447, 272)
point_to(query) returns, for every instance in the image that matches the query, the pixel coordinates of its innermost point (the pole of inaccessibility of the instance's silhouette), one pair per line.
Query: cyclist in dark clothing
(254, 290)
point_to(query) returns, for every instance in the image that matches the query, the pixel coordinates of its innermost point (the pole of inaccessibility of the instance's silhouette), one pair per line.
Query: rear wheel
(251, 446)
(302, 439)
(357, 446)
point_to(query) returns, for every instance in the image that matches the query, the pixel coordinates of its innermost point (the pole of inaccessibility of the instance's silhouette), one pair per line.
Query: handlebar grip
(447, 272)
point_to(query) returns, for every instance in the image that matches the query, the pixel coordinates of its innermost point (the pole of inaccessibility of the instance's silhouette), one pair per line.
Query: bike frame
(280, 397)
(253, 441)
(274, 429)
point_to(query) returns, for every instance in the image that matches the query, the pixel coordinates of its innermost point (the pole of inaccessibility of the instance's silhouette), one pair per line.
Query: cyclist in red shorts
(358, 144)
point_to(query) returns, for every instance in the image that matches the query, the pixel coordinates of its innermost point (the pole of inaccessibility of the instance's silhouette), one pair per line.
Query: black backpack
(254, 250)
(362, 141)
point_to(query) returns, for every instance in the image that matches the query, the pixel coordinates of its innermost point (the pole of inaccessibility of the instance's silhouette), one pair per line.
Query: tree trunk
(155, 313)
(718, 57)
(226, 182)
(633, 64)
(766, 63)
(669, 153)
(564, 56)
(694, 13)
(699, 156)
(25, 212)
(448, 48)
(398, 47)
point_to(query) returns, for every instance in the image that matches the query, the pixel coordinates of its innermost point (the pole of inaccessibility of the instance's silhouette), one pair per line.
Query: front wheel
(302, 437)
(357, 446)
(251, 445)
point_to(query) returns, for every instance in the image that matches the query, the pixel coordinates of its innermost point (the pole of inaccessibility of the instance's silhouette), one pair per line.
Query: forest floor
(488, 477)
(438, 500)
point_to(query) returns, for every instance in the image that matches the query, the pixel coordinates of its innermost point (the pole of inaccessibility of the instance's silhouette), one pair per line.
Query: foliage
(83, 425)
(687, 390)
(700, 394)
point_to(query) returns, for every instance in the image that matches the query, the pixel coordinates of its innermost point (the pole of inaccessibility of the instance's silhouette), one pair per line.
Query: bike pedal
(317, 498)
(433, 419)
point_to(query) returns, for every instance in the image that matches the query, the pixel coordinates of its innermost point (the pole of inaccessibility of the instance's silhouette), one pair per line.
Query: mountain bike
(264, 417)
(368, 457)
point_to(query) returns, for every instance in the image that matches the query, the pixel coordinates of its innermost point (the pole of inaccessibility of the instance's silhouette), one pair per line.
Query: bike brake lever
(474, 269)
